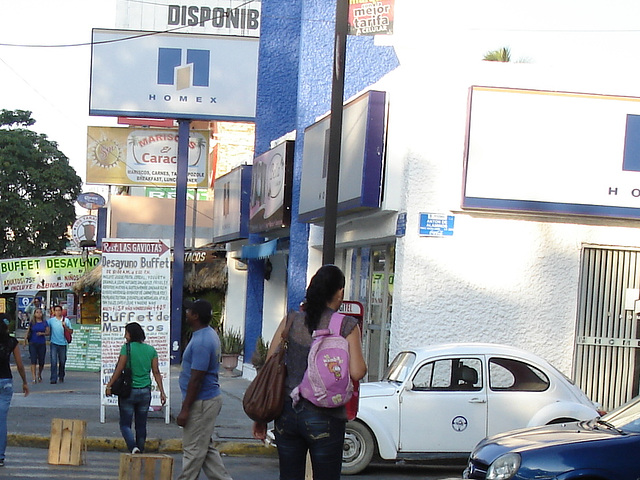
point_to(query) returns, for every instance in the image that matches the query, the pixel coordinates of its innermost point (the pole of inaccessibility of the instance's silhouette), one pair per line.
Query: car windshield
(399, 368)
(625, 417)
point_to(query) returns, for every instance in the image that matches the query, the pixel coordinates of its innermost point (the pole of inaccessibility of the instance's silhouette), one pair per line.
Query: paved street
(32, 463)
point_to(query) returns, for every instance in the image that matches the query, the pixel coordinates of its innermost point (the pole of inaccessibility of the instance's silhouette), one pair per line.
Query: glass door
(378, 315)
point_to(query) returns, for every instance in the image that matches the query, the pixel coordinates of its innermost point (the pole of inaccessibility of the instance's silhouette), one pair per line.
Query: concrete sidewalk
(29, 421)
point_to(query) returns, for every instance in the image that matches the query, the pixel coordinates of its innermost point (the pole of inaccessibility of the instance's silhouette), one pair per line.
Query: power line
(142, 35)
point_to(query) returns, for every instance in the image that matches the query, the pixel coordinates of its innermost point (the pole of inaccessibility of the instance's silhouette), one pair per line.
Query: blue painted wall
(294, 87)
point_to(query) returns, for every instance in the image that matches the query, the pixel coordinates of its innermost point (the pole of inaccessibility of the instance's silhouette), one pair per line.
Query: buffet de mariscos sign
(43, 273)
(136, 279)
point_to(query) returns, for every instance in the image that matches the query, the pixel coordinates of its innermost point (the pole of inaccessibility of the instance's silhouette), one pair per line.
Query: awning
(262, 250)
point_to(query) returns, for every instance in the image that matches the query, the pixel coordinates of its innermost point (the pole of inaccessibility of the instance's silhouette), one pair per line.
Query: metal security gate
(607, 344)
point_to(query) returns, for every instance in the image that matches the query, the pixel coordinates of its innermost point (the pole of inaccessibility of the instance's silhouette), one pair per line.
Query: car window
(506, 374)
(626, 417)
(399, 368)
(451, 374)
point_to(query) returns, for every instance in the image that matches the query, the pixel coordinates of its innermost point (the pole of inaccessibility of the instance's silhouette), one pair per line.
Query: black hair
(4, 328)
(136, 332)
(322, 288)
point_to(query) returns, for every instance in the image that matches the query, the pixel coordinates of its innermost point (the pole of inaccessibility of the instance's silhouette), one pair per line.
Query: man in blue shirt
(201, 400)
(58, 345)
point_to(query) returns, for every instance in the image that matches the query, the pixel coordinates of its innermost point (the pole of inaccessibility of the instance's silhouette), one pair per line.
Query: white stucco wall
(235, 302)
(275, 296)
(501, 278)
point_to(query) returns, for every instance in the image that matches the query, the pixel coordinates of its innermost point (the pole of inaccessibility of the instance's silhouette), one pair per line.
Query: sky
(52, 82)
(591, 36)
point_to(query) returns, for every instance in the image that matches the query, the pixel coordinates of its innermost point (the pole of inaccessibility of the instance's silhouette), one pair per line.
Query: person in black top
(8, 345)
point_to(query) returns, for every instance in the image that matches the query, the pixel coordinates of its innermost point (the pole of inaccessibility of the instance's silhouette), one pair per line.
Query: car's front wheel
(358, 448)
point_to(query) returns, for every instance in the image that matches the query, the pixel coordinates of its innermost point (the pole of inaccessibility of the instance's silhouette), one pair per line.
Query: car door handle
(477, 400)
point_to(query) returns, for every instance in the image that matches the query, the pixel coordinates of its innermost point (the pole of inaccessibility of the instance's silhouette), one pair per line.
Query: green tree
(38, 189)
(501, 55)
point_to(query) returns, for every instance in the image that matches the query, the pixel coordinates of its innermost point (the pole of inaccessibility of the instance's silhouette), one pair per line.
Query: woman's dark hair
(322, 288)
(136, 333)
(4, 328)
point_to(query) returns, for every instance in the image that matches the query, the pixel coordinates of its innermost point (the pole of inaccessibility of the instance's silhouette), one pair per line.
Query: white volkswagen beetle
(438, 402)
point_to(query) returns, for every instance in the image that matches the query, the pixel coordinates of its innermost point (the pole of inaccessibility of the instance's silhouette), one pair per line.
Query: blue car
(605, 448)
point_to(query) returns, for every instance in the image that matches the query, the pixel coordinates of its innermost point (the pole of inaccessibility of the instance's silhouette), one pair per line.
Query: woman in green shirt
(144, 359)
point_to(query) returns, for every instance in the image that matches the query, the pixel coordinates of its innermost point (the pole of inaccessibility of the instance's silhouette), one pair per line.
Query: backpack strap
(335, 324)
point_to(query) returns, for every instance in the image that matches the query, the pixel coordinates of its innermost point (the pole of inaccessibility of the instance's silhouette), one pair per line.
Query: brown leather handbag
(264, 399)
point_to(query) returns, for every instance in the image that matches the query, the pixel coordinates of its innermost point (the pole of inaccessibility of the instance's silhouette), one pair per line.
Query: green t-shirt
(141, 356)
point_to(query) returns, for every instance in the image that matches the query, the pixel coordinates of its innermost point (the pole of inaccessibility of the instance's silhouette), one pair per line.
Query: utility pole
(178, 240)
(335, 133)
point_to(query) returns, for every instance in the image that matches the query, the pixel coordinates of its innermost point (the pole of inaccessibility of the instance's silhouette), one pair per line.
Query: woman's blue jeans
(300, 429)
(6, 392)
(136, 405)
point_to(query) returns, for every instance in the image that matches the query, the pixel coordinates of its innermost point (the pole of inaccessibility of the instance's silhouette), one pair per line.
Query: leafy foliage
(501, 55)
(259, 356)
(38, 188)
(231, 341)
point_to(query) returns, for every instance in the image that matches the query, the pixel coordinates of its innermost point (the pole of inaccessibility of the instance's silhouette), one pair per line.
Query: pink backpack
(326, 382)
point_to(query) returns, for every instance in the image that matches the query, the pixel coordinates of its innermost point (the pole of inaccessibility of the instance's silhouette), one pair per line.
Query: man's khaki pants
(199, 452)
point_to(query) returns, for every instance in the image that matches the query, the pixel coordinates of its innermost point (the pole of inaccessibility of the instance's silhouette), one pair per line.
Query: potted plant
(259, 356)
(231, 346)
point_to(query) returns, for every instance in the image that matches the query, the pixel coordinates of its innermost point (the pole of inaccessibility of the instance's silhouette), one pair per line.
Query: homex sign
(161, 75)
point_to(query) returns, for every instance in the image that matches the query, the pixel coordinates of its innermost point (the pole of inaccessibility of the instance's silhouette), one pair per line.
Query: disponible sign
(219, 17)
(43, 273)
(136, 278)
(136, 156)
(171, 75)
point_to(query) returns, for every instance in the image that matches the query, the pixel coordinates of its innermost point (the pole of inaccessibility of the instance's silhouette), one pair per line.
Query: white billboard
(170, 75)
(558, 152)
(361, 158)
(231, 194)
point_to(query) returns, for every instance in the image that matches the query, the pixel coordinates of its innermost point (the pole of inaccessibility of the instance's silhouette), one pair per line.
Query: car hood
(531, 438)
(378, 389)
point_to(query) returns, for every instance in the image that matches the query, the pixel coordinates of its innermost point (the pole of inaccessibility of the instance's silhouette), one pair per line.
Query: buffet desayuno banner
(43, 273)
(136, 280)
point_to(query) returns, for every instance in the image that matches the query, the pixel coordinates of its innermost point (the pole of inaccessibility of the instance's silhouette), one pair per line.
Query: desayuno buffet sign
(43, 273)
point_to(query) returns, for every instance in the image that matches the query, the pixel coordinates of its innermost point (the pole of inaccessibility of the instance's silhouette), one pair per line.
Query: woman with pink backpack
(304, 426)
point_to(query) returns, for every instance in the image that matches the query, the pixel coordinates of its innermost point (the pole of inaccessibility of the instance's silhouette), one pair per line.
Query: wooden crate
(68, 442)
(146, 466)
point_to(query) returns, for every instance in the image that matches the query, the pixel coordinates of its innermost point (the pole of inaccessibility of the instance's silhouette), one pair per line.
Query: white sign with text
(136, 280)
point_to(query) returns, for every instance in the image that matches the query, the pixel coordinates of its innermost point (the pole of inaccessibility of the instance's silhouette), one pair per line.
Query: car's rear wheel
(358, 449)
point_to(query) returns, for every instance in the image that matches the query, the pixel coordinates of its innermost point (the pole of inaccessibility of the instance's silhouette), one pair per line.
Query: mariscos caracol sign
(130, 156)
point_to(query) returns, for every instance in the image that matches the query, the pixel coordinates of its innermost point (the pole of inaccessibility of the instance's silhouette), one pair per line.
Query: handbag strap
(128, 356)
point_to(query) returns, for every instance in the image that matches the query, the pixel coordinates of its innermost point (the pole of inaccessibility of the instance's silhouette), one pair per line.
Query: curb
(154, 445)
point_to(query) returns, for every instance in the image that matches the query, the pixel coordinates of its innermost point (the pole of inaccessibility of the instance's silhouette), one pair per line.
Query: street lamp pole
(335, 133)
